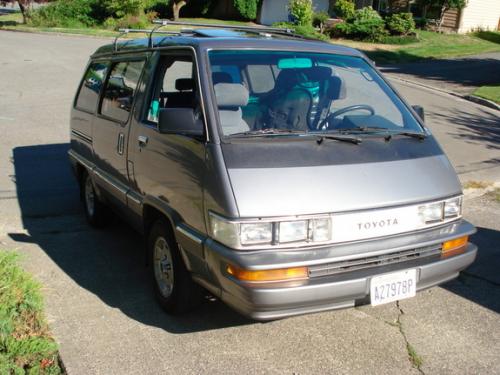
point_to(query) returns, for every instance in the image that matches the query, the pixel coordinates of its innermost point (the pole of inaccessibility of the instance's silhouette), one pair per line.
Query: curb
(470, 98)
(482, 101)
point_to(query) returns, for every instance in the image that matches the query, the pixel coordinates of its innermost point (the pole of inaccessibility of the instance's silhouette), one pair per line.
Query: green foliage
(141, 21)
(25, 344)
(121, 8)
(344, 9)
(247, 8)
(320, 18)
(400, 24)
(64, 13)
(306, 31)
(301, 11)
(365, 25)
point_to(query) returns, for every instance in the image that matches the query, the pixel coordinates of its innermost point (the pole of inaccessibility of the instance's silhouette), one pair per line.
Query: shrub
(121, 8)
(64, 13)
(306, 31)
(129, 21)
(319, 20)
(301, 11)
(366, 24)
(344, 9)
(247, 8)
(400, 24)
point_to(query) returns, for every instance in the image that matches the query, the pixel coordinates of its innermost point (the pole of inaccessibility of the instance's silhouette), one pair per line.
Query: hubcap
(163, 266)
(89, 197)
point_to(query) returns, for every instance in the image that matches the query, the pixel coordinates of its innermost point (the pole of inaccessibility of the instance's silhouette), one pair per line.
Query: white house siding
(277, 10)
(480, 14)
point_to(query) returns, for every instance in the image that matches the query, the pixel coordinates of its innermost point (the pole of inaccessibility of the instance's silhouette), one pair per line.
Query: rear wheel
(95, 210)
(174, 289)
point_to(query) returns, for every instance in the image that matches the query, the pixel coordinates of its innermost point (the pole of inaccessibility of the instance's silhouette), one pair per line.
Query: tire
(95, 211)
(174, 288)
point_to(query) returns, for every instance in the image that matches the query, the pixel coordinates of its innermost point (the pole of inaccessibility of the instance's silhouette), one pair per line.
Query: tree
(176, 7)
(25, 6)
(444, 6)
(247, 8)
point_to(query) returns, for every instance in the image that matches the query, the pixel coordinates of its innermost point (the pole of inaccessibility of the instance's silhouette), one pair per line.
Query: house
(477, 15)
(273, 11)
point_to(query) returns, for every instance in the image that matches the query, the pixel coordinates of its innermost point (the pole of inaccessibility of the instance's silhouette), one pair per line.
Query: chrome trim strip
(86, 163)
(134, 196)
(189, 235)
(81, 135)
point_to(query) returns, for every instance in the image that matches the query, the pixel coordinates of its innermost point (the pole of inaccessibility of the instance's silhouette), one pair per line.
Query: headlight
(452, 207)
(247, 234)
(440, 211)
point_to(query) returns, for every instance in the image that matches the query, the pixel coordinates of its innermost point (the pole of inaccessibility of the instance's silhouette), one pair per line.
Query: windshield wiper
(264, 132)
(391, 132)
(352, 140)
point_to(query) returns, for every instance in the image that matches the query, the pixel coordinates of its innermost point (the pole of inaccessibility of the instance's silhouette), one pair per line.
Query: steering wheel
(356, 107)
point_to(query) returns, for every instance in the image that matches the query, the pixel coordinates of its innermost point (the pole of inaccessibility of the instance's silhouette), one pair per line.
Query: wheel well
(150, 214)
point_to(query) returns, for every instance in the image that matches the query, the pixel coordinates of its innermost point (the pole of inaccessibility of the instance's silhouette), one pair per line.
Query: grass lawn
(430, 45)
(26, 346)
(489, 92)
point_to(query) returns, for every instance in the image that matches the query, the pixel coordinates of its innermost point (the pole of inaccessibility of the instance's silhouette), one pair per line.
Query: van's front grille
(375, 261)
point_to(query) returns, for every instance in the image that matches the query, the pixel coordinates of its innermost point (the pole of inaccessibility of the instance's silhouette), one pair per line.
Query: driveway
(98, 297)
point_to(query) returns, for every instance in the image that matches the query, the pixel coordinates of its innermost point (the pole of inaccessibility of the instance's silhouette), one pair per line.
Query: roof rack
(162, 23)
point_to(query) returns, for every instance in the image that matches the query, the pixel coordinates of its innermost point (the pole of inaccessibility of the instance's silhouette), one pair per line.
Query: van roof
(221, 38)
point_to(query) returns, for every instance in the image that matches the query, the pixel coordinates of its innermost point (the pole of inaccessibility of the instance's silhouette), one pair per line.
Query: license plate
(393, 287)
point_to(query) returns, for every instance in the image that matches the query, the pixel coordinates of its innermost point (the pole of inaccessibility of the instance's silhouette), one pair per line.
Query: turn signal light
(284, 274)
(453, 247)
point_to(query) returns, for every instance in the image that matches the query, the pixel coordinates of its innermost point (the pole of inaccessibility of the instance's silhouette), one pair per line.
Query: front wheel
(174, 289)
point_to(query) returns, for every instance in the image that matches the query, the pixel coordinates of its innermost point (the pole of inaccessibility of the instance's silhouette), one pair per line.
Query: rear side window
(91, 86)
(120, 89)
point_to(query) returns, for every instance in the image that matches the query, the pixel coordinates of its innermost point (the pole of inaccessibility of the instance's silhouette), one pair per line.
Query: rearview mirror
(420, 111)
(180, 121)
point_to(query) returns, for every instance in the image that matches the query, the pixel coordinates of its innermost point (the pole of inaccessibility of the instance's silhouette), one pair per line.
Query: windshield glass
(281, 92)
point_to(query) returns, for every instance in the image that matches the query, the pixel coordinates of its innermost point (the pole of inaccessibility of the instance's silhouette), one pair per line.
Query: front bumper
(272, 301)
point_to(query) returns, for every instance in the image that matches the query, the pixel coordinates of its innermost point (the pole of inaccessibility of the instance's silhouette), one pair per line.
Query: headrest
(221, 77)
(287, 78)
(336, 88)
(231, 95)
(184, 84)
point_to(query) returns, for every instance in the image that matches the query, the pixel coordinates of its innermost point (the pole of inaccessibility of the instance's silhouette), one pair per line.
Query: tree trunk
(23, 6)
(177, 8)
(444, 8)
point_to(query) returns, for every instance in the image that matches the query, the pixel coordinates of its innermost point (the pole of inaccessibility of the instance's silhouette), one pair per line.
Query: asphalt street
(98, 298)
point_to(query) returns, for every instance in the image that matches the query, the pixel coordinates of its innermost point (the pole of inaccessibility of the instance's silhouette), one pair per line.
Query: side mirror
(420, 111)
(180, 121)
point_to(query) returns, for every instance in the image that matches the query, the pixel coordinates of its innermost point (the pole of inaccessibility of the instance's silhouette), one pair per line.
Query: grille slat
(375, 261)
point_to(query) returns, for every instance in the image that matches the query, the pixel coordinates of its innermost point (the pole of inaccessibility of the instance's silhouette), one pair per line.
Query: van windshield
(281, 92)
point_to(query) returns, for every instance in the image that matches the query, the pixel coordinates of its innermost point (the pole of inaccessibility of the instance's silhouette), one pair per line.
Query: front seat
(288, 105)
(230, 98)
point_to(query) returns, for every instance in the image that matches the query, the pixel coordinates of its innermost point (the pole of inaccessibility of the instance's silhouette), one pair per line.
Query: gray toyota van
(282, 175)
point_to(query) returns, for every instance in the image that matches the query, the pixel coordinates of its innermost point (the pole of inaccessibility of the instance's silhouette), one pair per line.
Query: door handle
(143, 140)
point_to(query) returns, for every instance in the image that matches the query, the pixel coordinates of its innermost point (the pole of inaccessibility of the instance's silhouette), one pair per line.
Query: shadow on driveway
(108, 263)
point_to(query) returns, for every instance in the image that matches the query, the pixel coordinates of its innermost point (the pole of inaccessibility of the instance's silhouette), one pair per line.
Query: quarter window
(120, 89)
(91, 86)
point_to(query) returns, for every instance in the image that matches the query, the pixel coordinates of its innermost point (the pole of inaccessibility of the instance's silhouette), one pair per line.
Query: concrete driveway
(98, 298)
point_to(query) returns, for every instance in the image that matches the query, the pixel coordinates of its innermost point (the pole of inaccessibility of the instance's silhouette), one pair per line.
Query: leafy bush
(306, 31)
(141, 21)
(319, 20)
(344, 9)
(366, 24)
(64, 13)
(247, 8)
(26, 346)
(121, 8)
(400, 24)
(301, 11)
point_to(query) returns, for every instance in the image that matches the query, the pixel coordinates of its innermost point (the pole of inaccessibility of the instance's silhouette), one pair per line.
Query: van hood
(286, 178)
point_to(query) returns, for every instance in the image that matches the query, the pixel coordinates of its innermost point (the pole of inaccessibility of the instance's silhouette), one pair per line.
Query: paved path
(99, 302)
(460, 75)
